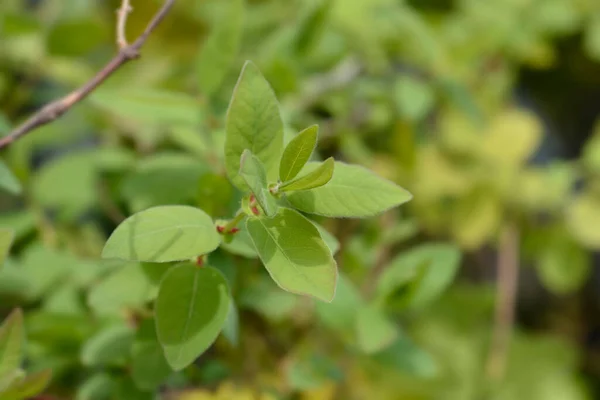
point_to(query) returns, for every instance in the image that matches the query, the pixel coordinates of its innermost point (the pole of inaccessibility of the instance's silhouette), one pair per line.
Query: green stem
(231, 225)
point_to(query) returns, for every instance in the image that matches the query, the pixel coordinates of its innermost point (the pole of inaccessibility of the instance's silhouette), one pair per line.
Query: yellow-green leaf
(254, 174)
(163, 234)
(291, 248)
(191, 309)
(221, 47)
(11, 343)
(353, 191)
(297, 153)
(253, 123)
(314, 179)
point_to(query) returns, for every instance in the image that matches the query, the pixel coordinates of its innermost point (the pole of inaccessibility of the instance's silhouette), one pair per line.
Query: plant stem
(122, 14)
(508, 275)
(57, 108)
(231, 225)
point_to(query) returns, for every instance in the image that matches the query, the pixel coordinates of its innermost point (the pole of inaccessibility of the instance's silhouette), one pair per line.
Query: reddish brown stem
(57, 108)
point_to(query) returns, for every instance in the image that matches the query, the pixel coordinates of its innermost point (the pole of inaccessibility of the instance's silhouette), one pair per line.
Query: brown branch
(57, 108)
(122, 14)
(508, 275)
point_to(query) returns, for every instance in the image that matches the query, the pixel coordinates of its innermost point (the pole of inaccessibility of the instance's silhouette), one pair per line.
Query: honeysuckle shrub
(190, 230)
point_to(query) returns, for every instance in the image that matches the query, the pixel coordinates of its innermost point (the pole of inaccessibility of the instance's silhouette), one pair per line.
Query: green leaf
(11, 343)
(67, 184)
(317, 178)
(312, 25)
(163, 234)
(214, 194)
(269, 301)
(165, 178)
(231, 328)
(125, 388)
(149, 106)
(254, 123)
(149, 368)
(254, 174)
(129, 287)
(583, 217)
(352, 192)
(221, 47)
(292, 250)
(98, 387)
(312, 371)
(110, 346)
(191, 308)
(511, 138)
(11, 378)
(374, 332)
(6, 238)
(405, 356)
(330, 240)
(592, 37)
(8, 181)
(414, 98)
(422, 274)
(297, 153)
(563, 265)
(29, 387)
(340, 314)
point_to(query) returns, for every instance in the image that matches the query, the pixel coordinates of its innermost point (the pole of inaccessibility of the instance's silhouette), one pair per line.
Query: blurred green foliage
(426, 93)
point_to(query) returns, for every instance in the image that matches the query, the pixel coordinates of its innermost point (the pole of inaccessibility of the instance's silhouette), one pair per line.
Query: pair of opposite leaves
(289, 245)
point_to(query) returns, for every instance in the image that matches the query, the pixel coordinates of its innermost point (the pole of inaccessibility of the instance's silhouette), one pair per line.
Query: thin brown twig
(57, 108)
(122, 14)
(508, 275)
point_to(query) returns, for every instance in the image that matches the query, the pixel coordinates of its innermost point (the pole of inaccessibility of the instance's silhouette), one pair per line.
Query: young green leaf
(129, 287)
(254, 174)
(149, 107)
(110, 346)
(424, 273)
(149, 368)
(374, 332)
(29, 387)
(406, 356)
(11, 378)
(99, 386)
(330, 240)
(352, 192)
(297, 153)
(317, 178)
(312, 25)
(221, 47)
(163, 234)
(231, 328)
(8, 181)
(268, 300)
(191, 308)
(292, 250)
(253, 122)
(11, 343)
(6, 238)
(340, 314)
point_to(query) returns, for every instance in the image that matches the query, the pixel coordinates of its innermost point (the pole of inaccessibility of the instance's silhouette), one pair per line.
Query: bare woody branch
(508, 276)
(122, 14)
(57, 108)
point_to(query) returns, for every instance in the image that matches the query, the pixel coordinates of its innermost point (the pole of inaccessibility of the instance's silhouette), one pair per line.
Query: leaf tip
(249, 65)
